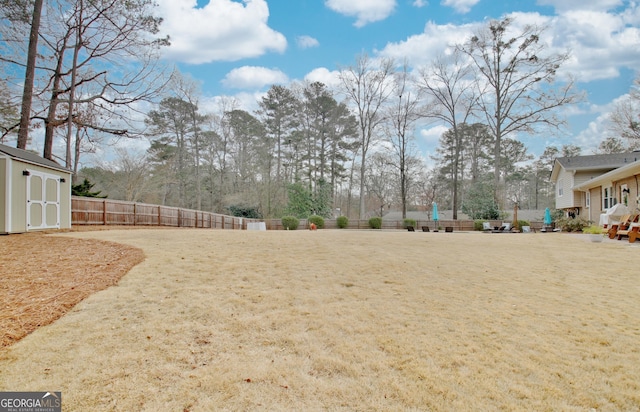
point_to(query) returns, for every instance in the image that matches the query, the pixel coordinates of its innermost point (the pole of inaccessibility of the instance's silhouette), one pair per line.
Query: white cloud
(431, 135)
(600, 43)
(421, 49)
(420, 3)
(252, 77)
(590, 138)
(306, 42)
(366, 11)
(323, 75)
(461, 6)
(601, 127)
(223, 30)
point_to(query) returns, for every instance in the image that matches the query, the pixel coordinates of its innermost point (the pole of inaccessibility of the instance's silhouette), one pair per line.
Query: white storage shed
(35, 193)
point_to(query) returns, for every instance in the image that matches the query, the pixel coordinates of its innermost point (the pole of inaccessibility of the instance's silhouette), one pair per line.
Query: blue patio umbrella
(435, 214)
(547, 217)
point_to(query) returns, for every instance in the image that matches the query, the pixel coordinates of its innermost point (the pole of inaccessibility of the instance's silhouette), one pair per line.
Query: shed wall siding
(18, 198)
(4, 211)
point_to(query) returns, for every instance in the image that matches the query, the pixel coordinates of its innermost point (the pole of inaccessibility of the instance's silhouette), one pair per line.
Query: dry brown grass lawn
(347, 320)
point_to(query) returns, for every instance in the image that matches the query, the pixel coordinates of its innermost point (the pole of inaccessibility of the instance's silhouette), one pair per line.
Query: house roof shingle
(30, 157)
(599, 161)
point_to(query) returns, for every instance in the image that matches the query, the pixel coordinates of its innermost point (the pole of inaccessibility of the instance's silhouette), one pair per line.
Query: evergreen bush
(84, 189)
(408, 222)
(318, 220)
(478, 225)
(523, 223)
(290, 222)
(375, 223)
(342, 222)
(250, 212)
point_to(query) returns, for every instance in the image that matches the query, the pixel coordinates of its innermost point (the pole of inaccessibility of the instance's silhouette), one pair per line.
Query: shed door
(43, 201)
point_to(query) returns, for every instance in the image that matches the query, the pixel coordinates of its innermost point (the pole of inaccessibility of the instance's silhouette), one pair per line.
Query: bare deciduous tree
(114, 63)
(367, 85)
(516, 94)
(625, 118)
(402, 116)
(448, 85)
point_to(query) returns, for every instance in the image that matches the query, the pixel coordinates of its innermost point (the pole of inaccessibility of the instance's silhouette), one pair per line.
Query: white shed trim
(8, 188)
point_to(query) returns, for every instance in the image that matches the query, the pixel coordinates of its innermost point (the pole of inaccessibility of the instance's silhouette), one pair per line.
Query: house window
(608, 199)
(560, 187)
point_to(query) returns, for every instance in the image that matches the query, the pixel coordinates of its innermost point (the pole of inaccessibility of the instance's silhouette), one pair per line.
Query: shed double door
(43, 201)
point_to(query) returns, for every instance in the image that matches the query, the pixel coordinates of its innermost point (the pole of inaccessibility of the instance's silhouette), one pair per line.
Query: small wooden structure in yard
(35, 193)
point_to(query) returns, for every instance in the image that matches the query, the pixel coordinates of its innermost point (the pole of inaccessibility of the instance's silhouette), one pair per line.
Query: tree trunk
(72, 93)
(361, 213)
(29, 76)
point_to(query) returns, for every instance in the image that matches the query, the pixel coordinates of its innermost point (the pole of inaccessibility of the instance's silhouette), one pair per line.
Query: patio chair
(634, 232)
(625, 230)
(615, 226)
(505, 228)
(486, 226)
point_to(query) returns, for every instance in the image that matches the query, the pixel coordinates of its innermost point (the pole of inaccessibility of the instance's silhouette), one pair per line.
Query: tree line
(308, 148)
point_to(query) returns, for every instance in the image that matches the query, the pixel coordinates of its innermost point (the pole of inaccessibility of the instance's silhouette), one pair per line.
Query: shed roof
(31, 157)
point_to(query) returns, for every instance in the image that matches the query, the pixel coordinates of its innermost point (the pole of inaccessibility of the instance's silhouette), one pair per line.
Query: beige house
(589, 185)
(35, 193)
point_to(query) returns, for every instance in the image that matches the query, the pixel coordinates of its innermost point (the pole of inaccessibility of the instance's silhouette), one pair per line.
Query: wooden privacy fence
(457, 225)
(92, 211)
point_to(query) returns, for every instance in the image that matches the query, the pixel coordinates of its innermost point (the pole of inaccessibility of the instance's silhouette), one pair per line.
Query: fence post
(104, 212)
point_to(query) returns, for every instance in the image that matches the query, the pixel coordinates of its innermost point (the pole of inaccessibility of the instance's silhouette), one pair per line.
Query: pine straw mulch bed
(42, 277)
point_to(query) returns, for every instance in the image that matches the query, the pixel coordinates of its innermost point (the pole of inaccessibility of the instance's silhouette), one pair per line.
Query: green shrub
(523, 223)
(408, 222)
(342, 222)
(290, 222)
(477, 225)
(375, 223)
(593, 230)
(572, 224)
(250, 212)
(318, 220)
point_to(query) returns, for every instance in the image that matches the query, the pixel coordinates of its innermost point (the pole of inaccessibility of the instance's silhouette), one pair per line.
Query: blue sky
(240, 48)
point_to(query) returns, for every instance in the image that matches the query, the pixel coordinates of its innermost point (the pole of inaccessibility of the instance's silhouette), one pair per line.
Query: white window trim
(560, 187)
